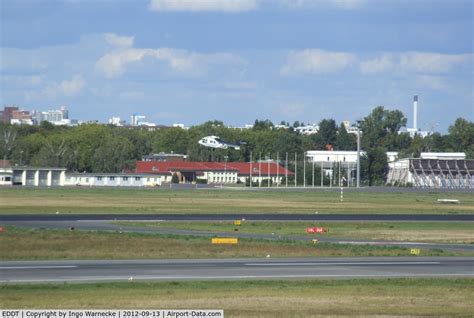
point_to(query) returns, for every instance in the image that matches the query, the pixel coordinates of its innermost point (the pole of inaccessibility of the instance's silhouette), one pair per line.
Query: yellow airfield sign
(225, 240)
(415, 251)
(237, 222)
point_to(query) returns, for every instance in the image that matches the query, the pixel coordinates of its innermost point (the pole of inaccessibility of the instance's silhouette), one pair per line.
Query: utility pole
(268, 167)
(251, 168)
(304, 169)
(358, 157)
(278, 171)
(296, 169)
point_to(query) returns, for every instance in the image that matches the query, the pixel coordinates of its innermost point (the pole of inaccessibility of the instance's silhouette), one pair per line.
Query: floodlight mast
(358, 157)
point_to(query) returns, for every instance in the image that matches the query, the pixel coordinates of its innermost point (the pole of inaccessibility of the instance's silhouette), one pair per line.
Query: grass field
(442, 232)
(22, 244)
(370, 297)
(155, 201)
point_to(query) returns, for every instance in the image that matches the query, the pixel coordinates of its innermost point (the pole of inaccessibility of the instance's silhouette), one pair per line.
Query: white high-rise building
(116, 121)
(58, 117)
(140, 120)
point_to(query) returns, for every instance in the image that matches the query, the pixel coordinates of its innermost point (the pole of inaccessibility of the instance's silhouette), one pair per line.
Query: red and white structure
(215, 172)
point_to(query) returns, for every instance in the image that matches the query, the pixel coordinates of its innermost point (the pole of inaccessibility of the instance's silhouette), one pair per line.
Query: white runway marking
(38, 267)
(336, 264)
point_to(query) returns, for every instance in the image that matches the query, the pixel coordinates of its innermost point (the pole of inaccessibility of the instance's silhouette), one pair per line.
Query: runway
(288, 268)
(234, 216)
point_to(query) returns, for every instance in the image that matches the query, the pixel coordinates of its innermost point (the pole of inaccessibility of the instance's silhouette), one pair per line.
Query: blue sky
(184, 61)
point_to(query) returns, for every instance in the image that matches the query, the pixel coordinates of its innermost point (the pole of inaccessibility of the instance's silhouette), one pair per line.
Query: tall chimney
(415, 111)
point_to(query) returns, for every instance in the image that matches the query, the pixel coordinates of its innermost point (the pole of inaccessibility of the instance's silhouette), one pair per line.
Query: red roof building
(215, 172)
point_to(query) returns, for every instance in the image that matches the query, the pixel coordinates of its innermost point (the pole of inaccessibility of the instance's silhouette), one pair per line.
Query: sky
(189, 61)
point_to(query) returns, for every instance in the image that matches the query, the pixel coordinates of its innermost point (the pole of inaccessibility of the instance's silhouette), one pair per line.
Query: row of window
(222, 179)
(123, 178)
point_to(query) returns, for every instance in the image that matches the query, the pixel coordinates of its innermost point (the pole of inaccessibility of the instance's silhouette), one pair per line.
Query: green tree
(175, 178)
(55, 152)
(326, 135)
(262, 124)
(8, 139)
(171, 140)
(113, 156)
(379, 125)
(461, 137)
(374, 166)
(344, 140)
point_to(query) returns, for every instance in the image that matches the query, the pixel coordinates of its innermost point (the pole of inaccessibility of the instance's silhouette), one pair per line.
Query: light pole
(21, 157)
(358, 157)
(304, 169)
(225, 167)
(268, 168)
(250, 183)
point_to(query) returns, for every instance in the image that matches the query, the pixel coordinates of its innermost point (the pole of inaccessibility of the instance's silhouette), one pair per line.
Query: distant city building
(163, 157)
(57, 117)
(140, 120)
(350, 129)
(281, 127)
(116, 121)
(415, 131)
(13, 115)
(307, 130)
(241, 128)
(180, 126)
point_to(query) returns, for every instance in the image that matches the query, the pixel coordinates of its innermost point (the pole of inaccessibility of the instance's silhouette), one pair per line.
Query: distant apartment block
(57, 117)
(140, 120)
(13, 115)
(163, 157)
(307, 130)
(350, 129)
(117, 121)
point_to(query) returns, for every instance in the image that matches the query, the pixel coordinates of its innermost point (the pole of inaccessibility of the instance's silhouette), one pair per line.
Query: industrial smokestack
(415, 111)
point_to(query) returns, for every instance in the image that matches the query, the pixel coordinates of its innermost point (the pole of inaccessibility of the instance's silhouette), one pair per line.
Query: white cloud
(203, 5)
(421, 62)
(119, 41)
(115, 63)
(341, 4)
(380, 64)
(415, 62)
(66, 87)
(313, 61)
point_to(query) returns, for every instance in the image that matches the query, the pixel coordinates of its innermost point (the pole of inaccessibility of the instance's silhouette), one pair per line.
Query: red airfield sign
(316, 230)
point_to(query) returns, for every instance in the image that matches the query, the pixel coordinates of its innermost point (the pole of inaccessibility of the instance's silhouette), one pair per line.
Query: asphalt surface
(234, 216)
(290, 268)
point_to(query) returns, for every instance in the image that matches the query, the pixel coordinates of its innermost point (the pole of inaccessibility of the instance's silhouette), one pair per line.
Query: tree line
(106, 148)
